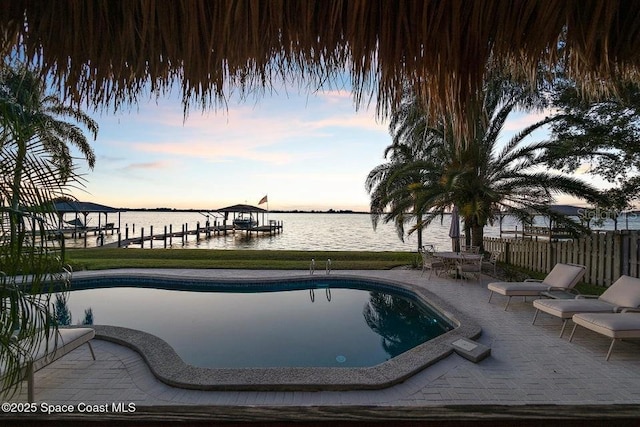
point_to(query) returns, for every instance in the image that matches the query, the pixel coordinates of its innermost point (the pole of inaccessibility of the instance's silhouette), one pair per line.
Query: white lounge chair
(616, 326)
(67, 339)
(563, 278)
(623, 293)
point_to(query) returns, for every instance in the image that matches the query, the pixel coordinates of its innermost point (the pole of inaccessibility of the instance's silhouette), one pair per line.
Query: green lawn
(100, 259)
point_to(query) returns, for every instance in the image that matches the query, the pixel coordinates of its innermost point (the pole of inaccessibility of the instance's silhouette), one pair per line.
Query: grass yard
(100, 259)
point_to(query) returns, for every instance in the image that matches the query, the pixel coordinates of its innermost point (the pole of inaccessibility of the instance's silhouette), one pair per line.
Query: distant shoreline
(313, 211)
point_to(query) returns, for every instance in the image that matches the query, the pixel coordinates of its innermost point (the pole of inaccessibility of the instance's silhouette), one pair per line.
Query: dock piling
(164, 239)
(271, 228)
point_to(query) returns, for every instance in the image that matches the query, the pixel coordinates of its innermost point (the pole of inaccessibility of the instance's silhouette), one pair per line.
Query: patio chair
(431, 262)
(563, 278)
(617, 326)
(470, 265)
(47, 352)
(623, 293)
(470, 249)
(493, 260)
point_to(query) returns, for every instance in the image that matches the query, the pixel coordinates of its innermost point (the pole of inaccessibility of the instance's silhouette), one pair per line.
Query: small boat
(244, 222)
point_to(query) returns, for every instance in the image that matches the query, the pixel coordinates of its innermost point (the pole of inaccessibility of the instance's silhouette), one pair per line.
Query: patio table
(451, 259)
(458, 256)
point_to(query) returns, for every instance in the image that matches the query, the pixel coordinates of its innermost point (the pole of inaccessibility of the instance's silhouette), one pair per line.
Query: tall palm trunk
(15, 218)
(477, 235)
(420, 233)
(467, 233)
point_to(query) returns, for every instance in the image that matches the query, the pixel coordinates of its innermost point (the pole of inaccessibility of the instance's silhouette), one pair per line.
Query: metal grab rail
(312, 266)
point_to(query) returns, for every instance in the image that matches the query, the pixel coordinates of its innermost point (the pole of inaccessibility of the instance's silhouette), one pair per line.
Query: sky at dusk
(307, 151)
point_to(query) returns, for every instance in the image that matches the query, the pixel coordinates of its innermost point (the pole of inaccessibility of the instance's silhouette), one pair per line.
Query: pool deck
(531, 374)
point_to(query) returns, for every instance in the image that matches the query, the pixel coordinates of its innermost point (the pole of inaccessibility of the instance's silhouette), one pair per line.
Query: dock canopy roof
(242, 209)
(108, 53)
(568, 210)
(82, 207)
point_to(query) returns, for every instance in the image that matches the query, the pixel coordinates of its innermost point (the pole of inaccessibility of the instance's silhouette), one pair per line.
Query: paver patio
(529, 365)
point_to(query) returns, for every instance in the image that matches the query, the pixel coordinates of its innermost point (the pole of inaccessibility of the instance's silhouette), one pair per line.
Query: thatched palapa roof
(106, 52)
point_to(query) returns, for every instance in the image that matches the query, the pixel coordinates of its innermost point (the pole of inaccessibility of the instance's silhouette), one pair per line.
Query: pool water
(313, 327)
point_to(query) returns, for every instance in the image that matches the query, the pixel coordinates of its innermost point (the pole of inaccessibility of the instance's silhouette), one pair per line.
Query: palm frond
(35, 168)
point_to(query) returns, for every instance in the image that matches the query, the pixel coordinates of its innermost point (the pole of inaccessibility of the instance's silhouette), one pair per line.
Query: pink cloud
(148, 165)
(521, 122)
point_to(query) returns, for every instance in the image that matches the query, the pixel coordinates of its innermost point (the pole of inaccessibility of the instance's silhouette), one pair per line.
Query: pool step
(471, 350)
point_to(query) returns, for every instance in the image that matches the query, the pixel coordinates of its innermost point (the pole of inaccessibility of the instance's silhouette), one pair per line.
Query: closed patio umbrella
(454, 230)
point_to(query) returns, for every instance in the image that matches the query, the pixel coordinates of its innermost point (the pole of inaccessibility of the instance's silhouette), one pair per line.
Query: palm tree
(394, 184)
(29, 113)
(35, 168)
(475, 175)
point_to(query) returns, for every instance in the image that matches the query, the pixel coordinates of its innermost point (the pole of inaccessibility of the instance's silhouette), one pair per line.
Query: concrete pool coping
(169, 368)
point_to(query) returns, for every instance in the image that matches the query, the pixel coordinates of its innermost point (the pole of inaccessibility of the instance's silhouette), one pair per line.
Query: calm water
(340, 327)
(302, 231)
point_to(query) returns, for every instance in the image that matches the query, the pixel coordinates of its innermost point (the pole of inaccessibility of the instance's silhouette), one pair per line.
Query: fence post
(617, 256)
(633, 260)
(507, 252)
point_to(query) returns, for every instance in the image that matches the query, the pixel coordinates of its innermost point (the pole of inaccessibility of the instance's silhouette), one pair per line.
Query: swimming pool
(337, 368)
(316, 323)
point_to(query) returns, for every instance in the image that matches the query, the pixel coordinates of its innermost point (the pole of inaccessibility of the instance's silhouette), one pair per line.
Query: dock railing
(605, 254)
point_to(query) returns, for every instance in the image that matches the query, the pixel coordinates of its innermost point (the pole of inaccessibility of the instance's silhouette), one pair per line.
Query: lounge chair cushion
(518, 288)
(624, 292)
(561, 276)
(564, 275)
(612, 325)
(566, 308)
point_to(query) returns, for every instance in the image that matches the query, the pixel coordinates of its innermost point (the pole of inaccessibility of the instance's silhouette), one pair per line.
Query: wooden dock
(206, 232)
(83, 232)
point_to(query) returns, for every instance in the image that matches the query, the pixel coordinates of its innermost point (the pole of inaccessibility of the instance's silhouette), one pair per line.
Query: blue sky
(303, 150)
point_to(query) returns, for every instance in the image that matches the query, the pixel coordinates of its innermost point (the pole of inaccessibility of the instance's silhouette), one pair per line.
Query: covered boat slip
(78, 226)
(237, 218)
(552, 229)
(246, 217)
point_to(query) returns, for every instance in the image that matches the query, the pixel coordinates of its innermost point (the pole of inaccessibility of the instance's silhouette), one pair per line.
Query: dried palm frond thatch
(107, 52)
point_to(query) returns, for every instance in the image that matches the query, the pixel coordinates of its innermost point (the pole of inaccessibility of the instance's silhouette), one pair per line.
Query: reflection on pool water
(273, 327)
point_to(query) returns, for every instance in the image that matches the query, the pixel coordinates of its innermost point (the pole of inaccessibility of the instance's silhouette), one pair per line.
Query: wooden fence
(606, 255)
